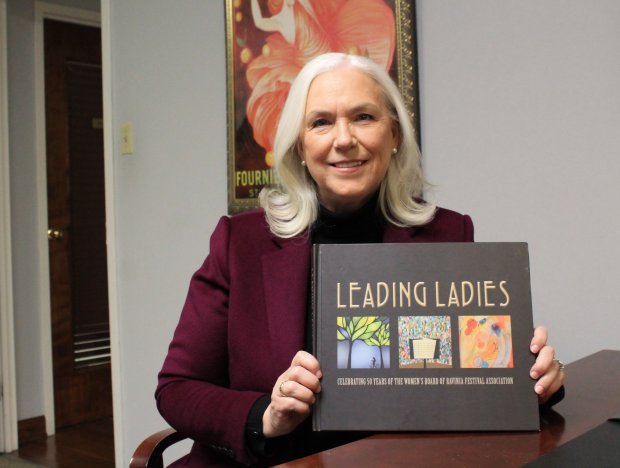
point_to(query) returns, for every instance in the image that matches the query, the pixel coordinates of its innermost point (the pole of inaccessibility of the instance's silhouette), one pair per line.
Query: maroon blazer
(242, 323)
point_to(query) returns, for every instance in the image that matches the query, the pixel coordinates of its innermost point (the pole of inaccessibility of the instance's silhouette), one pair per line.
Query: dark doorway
(76, 217)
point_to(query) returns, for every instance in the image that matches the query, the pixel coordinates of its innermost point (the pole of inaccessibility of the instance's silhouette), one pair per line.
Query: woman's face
(347, 138)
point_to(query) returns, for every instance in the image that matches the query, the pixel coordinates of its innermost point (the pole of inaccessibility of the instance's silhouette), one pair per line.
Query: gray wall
(22, 159)
(520, 111)
(520, 118)
(171, 84)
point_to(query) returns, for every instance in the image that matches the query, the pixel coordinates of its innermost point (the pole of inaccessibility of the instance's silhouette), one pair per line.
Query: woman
(237, 379)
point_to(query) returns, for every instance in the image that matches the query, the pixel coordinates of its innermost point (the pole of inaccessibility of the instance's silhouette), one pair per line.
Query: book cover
(423, 337)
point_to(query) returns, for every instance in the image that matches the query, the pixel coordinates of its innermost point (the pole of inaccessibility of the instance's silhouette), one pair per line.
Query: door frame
(8, 408)
(42, 12)
(88, 18)
(110, 213)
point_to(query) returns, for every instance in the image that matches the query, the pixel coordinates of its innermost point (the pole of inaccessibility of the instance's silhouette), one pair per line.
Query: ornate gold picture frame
(268, 41)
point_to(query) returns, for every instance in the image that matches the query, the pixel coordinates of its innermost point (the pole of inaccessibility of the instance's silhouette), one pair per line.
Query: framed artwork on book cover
(269, 41)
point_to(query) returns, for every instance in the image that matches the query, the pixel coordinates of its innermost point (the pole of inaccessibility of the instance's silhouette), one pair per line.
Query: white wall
(168, 79)
(520, 127)
(26, 298)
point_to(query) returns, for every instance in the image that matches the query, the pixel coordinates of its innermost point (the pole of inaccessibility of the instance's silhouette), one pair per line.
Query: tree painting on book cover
(363, 342)
(485, 341)
(424, 341)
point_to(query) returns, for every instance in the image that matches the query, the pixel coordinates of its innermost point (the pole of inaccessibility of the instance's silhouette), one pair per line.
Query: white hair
(292, 206)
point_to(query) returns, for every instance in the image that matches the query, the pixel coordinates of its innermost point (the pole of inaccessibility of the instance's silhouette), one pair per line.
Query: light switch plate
(127, 139)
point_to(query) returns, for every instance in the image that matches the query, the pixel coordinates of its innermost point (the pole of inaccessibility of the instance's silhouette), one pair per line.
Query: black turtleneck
(363, 226)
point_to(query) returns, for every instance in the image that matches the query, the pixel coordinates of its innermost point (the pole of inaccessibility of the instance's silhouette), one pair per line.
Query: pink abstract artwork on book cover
(485, 341)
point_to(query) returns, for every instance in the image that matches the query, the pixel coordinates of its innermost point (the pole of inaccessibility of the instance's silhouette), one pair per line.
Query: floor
(86, 445)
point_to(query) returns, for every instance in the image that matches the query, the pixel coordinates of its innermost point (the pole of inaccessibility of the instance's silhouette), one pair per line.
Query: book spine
(314, 301)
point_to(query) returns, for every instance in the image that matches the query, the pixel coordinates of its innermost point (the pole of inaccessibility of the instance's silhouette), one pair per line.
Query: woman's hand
(292, 396)
(547, 370)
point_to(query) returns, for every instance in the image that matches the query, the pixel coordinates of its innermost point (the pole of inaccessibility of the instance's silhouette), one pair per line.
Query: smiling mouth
(348, 164)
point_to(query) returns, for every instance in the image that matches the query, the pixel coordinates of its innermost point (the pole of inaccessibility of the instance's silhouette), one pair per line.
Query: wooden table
(592, 396)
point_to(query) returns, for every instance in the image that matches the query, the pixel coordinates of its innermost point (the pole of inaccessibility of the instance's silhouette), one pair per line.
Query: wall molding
(108, 144)
(31, 430)
(8, 393)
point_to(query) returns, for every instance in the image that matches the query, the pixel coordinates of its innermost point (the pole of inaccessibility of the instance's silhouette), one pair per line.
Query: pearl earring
(394, 150)
(303, 163)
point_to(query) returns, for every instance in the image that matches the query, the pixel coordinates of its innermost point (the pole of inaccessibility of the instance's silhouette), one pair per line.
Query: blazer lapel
(286, 273)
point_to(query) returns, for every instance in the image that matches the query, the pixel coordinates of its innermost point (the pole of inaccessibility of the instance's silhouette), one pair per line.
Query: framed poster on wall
(269, 41)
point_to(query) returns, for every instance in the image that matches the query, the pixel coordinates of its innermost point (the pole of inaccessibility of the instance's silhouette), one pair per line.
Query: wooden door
(76, 216)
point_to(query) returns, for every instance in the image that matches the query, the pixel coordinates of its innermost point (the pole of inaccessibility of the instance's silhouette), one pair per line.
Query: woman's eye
(364, 117)
(319, 123)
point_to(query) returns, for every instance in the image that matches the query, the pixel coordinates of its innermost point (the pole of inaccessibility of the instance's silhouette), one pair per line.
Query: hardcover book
(423, 337)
